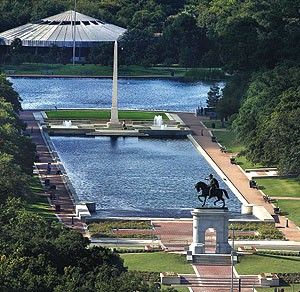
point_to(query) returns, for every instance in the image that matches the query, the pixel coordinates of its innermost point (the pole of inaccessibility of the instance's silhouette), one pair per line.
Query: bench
(253, 184)
(223, 149)
(268, 199)
(232, 160)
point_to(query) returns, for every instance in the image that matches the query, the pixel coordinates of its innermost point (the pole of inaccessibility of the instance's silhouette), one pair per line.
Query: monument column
(114, 119)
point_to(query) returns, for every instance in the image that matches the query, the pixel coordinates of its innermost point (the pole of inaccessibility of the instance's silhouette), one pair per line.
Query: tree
(13, 182)
(213, 96)
(271, 98)
(9, 94)
(232, 95)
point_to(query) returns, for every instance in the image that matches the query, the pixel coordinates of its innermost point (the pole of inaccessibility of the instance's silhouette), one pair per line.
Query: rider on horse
(214, 184)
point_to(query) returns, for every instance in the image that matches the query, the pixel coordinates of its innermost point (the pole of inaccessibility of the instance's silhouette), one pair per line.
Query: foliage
(263, 230)
(204, 74)
(19, 147)
(213, 96)
(252, 34)
(268, 121)
(290, 277)
(9, 94)
(49, 257)
(232, 95)
(106, 228)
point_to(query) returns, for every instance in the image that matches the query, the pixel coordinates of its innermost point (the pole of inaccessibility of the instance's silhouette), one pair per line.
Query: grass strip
(91, 70)
(106, 229)
(37, 203)
(290, 288)
(280, 187)
(102, 115)
(257, 264)
(227, 139)
(291, 210)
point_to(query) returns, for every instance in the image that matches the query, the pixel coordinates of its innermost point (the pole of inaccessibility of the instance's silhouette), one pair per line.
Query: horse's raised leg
(199, 198)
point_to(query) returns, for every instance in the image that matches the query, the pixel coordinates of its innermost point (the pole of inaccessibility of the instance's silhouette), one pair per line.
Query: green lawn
(280, 187)
(37, 203)
(157, 262)
(177, 288)
(291, 288)
(291, 209)
(227, 139)
(91, 70)
(244, 163)
(257, 264)
(102, 115)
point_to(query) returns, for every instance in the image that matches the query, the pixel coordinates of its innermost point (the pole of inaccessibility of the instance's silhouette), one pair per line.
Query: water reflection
(136, 177)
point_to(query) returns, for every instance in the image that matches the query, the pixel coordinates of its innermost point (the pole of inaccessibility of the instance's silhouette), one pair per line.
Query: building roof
(58, 30)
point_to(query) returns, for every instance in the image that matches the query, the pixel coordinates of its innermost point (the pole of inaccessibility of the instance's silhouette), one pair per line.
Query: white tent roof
(58, 30)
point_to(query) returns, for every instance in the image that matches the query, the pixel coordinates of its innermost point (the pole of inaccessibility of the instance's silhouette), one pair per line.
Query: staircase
(220, 283)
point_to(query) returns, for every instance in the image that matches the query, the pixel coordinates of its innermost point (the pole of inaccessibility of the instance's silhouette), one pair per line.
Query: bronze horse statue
(214, 193)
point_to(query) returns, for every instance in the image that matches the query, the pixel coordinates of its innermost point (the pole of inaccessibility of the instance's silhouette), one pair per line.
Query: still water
(135, 176)
(150, 94)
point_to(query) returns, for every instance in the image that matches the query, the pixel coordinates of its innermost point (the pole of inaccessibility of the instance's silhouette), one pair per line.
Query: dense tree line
(16, 150)
(258, 42)
(36, 255)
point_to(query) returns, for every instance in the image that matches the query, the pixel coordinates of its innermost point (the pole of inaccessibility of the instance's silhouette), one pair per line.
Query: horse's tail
(226, 194)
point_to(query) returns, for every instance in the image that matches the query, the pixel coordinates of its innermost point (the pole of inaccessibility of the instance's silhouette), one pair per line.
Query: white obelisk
(114, 120)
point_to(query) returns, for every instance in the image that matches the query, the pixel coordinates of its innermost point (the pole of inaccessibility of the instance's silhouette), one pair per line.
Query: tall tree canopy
(268, 120)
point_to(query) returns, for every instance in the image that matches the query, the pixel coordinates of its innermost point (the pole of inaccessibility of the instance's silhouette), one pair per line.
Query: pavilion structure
(59, 30)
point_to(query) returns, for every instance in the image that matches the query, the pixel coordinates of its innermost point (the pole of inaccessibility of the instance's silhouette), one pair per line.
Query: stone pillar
(114, 119)
(205, 218)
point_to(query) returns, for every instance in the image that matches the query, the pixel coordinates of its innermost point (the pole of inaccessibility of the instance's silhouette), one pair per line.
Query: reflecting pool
(136, 177)
(158, 94)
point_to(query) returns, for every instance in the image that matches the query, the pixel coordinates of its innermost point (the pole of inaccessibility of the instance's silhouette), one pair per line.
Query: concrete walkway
(63, 198)
(233, 173)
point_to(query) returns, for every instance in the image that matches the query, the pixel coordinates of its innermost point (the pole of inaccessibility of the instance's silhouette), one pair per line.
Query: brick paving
(62, 196)
(237, 177)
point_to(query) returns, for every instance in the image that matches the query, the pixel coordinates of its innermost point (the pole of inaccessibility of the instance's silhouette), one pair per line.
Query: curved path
(236, 176)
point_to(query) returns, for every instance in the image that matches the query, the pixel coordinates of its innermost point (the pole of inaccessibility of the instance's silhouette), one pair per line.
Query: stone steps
(220, 282)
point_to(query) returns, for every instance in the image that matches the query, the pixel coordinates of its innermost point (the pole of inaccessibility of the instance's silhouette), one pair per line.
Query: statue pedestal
(205, 218)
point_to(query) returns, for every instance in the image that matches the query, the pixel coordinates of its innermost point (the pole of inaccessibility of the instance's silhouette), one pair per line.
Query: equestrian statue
(210, 191)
